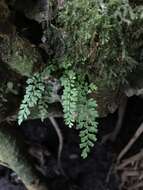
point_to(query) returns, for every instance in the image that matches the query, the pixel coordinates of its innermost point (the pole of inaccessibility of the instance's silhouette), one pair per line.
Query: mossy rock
(23, 57)
(19, 54)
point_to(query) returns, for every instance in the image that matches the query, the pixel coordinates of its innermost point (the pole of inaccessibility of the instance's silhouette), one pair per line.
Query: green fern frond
(80, 109)
(33, 94)
(87, 124)
(69, 97)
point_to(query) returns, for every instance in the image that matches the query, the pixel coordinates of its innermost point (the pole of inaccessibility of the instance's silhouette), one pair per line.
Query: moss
(19, 54)
(22, 64)
(23, 57)
(104, 41)
(100, 37)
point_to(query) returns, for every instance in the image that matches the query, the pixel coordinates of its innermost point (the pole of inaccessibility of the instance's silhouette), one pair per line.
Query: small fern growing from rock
(99, 48)
(69, 97)
(87, 124)
(86, 120)
(33, 94)
(78, 108)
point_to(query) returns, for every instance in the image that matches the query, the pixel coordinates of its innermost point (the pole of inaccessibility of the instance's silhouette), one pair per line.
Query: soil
(76, 173)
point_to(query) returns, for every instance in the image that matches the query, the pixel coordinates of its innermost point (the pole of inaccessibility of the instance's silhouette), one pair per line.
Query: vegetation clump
(100, 38)
(99, 51)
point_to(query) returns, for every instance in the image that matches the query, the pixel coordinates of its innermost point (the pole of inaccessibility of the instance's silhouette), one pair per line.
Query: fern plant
(78, 108)
(99, 48)
(86, 120)
(87, 124)
(69, 97)
(34, 91)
